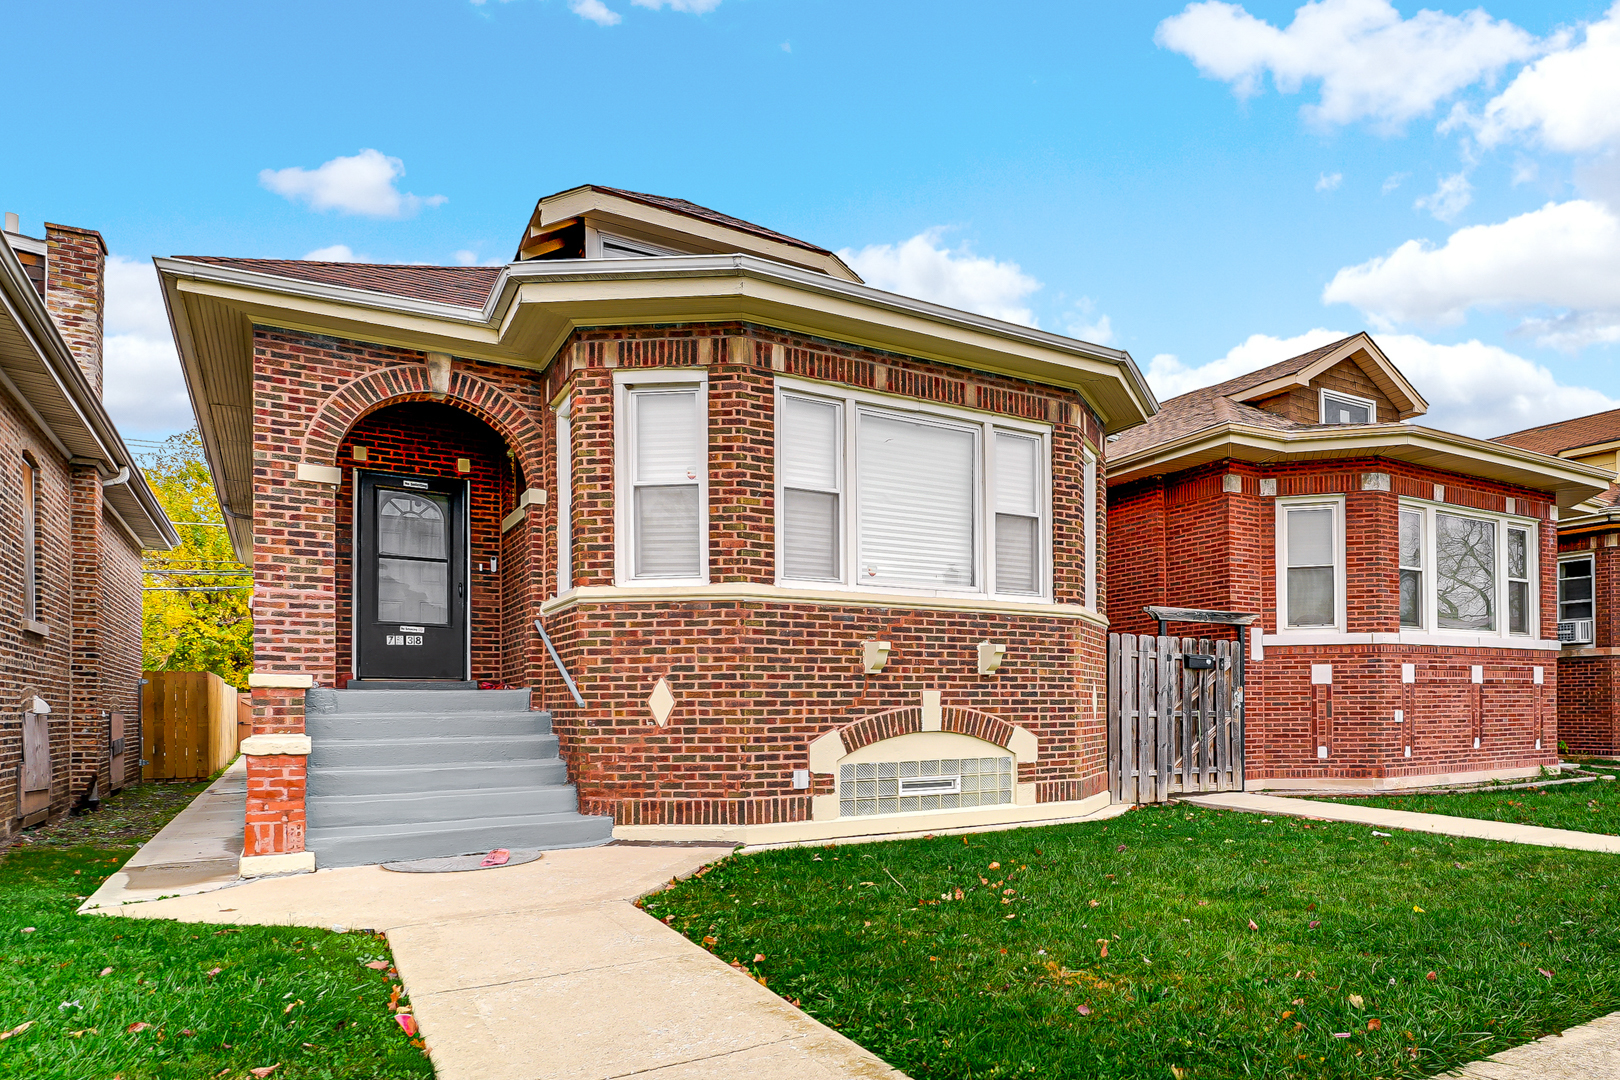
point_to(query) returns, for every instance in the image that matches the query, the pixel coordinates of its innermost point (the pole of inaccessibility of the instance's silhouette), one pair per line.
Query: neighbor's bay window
(1411, 543)
(663, 478)
(873, 494)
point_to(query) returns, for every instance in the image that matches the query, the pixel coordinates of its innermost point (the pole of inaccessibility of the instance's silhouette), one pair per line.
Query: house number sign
(409, 635)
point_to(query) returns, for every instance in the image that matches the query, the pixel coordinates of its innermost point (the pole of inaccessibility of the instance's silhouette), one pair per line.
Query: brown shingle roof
(1567, 434)
(691, 209)
(1210, 406)
(462, 286)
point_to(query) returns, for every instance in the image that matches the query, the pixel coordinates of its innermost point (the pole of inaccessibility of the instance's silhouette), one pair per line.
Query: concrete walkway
(1443, 824)
(548, 970)
(197, 851)
(1588, 1052)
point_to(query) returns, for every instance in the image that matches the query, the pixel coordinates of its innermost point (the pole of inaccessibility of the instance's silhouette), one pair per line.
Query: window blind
(1311, 567)
(811, 465)
(1018, 522)
(666, 469)
(916, 484)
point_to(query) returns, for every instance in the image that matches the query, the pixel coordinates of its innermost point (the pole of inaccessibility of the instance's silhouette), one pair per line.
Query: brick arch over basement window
(893, 722)
(361, 397)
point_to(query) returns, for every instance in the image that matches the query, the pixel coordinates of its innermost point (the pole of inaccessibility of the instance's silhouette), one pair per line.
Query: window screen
(812, 459)
(1311, 568)
(1018, 514)
(916, 481)
(666, 463)
(1575, 589)
(1465, 572)
(1342, 410)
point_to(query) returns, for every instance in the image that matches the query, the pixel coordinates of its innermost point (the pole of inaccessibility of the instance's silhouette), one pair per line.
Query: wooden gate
(1175, 716)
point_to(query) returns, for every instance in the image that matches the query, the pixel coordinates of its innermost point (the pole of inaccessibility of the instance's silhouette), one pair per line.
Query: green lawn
(1235, 946)
(145, 998)
(1589, 807)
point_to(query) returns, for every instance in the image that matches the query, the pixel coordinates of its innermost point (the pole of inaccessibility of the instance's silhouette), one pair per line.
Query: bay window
(879, 494)
(1484, 571)
(663, 478)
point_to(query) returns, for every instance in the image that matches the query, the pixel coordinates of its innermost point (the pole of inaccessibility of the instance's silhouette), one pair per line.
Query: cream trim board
(916, 821)
(276, 745)
(1386, 783)
(779, 594)
(1449, 639)
(1311, 502)
(280, 680)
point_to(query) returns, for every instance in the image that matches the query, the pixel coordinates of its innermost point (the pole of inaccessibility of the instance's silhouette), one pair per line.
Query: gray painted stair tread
(411, 684)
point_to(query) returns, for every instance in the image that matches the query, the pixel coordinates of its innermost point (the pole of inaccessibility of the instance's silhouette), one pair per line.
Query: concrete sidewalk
(548, 970)
(1588, 1052)
(197, 851)
(1442, 824)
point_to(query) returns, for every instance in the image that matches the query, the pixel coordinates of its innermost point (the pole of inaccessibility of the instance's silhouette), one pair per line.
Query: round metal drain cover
(452, 864)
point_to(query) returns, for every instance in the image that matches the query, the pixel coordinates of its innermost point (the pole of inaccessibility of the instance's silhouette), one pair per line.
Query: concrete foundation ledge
(915, 823)
(1353, 784)
(273, 745)
(292, 862)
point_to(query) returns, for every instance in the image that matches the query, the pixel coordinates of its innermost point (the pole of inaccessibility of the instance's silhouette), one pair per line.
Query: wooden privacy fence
(1175, 716)
(189, 725)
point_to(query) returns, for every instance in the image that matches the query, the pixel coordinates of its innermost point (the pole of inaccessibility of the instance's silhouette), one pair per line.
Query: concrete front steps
(403, 774)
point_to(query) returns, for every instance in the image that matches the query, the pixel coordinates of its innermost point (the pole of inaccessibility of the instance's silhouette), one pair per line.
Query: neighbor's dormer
(593, 222)
(1350, 381)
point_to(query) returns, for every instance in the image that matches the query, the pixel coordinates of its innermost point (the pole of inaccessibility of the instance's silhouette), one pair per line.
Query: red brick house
(1404, 577)
(75, 514)
(814, 559)
(1588, 585)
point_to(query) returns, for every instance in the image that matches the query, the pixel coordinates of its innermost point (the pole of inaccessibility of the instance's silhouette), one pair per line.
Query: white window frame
(1088, 499)
(565, 496)
(1589, 558)
(623, 472)
(1431, 572)
(1312, 502)
(1353, 399)
(851, 402)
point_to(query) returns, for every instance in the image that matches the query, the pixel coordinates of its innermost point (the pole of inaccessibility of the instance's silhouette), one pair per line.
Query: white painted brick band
(272, 745)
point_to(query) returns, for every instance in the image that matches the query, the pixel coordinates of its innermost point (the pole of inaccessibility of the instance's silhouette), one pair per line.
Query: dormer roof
(573, 224)
(1359, 349)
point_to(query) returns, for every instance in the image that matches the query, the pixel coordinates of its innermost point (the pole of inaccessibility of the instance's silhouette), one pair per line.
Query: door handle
(461, 590)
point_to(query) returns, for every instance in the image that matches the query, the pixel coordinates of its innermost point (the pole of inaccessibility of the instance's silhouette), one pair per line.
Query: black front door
(410, 577)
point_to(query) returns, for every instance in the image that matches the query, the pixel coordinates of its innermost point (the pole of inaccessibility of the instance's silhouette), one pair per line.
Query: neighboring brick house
(1588, 591)
(1403, 576)
(75, 514)
(784, 530)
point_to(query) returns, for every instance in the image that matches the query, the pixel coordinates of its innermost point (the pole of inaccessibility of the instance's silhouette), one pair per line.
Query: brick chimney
(76, 292)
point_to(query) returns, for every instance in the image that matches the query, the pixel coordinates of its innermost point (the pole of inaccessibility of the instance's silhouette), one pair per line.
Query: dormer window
(1340, 408)
(619, 247)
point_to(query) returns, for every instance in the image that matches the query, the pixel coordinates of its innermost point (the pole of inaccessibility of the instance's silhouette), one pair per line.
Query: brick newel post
(277, 760)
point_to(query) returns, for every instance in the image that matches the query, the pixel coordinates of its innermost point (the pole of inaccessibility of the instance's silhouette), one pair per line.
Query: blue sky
(1205, 186)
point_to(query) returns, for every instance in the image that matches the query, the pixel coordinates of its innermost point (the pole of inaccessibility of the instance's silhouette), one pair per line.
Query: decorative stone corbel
(438, 365)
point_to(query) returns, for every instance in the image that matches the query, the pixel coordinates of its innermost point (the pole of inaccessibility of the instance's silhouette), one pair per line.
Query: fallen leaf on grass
(291, 1005)
(377, 965)
(759, 958)
(28, 929)
(1120, 848)
(1544, 972)
(406, 1022)
(1096, 903)
(1252, 925)
(1341, 1034)
(1432, 977)
(1287, 1014)
(1203, 903)
(1083, 1010)
(1104, 943)
(1178, 1073)
(711, 941)
(18, 1030)
(1375, 1024)
(82, 1032)
(1356, 1000)
(1419, 910)
(105, 972)
(266, 1071)
(214, 971)
(137, 1026)
(1314, 924)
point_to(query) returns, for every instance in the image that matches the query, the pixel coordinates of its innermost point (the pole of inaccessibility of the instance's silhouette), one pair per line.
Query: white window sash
(1500, 586)
(1089, 504)
(1324, 396)
(851, 405)
(1591, 577)
(1336, 504)
(565, 498)
(627, 384)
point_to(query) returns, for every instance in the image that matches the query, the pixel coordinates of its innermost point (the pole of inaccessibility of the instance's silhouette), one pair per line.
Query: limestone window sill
(34, 626)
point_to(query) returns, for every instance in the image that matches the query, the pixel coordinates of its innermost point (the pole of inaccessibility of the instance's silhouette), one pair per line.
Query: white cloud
(1371, 64)
(335, 253)
(596, 11)
(1325, 182)
(362, 184)
(1564, 256)
(787, 46)
(1169, 377)
(921, 267)
(1393, 182)
(1100, 332)
(1449, 199)
(692, 7)
(1472, 388)
(143, 388)
(1568, 100)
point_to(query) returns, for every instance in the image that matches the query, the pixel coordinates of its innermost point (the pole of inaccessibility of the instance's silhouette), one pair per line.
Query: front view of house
(779, 555)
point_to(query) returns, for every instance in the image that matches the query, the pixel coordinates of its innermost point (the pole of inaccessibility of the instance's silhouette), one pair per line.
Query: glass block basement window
(894, 787)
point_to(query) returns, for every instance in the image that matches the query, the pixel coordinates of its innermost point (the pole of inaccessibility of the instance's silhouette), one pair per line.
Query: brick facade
(1196, 539)
(1589, 677)
(756, 677)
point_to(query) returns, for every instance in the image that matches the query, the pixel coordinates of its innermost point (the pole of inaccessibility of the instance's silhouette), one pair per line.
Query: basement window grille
(896, 787)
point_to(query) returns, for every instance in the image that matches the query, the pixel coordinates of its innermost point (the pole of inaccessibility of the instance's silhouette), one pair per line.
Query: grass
(1171, 942)
(112, 997)
(1590, 807)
